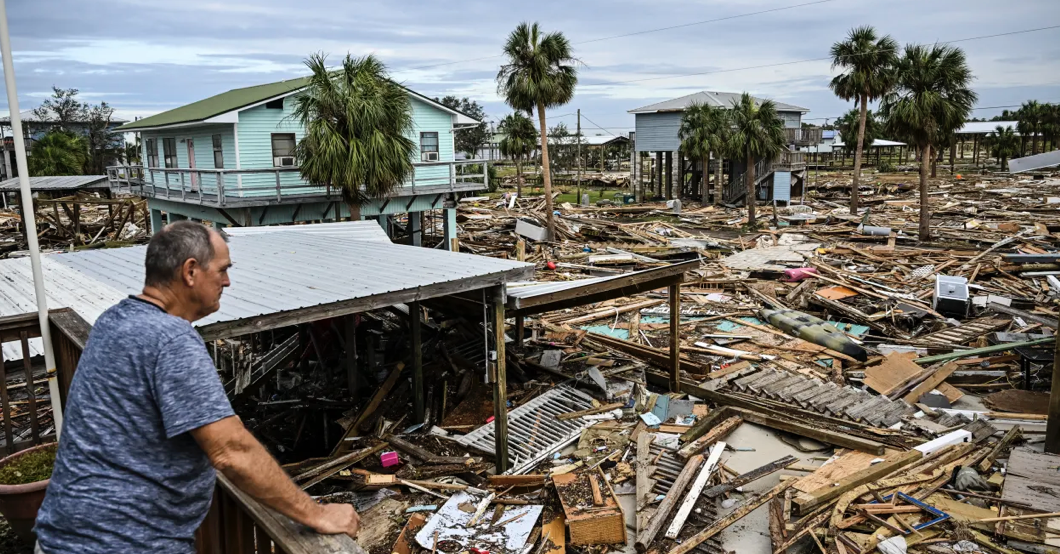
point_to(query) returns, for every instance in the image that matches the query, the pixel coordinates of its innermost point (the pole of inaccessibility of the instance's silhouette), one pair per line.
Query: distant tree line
(78, 139)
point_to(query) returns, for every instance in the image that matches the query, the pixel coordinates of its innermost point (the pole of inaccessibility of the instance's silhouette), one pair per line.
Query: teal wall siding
(256, 126)
(202, 140)
(427, 118)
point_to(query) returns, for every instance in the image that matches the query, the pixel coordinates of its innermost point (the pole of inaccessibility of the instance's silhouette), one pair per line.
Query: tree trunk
(546, 172)
(717, 181)
(857, 155)
(706, 181)
(934, 164)
(925, 209)
(1034, 143)
(519, 178)
(750, 175)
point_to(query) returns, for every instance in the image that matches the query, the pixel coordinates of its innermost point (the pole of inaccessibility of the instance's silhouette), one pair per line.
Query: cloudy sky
(146, 56)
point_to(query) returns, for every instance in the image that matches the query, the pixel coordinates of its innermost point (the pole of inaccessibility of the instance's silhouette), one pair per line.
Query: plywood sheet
(1033, 479)
(827, 475)
(895, 370)
(837, 292)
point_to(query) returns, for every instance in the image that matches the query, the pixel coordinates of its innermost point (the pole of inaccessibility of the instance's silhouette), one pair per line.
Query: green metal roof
(217, 105)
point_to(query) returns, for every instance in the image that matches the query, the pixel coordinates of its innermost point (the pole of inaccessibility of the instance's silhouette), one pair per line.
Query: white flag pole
(29, 220)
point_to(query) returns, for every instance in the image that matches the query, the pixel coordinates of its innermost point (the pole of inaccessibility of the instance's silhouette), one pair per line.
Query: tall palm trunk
(519, 177)
(925, 209)
(1034, 142)
(717, 181)
(706, 180)
(546, 171)
(857, 154)
(750, 190)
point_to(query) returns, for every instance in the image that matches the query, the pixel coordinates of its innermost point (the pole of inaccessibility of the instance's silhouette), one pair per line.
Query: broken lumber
(715, 434)
(808, 501)
(590, 411)
(750, 476)
(647, 536)
(428, 457)
(747, 507)
(528, 480)
(328, 469)
(609, 312)
(823, 435)
(403, 545)
(694, 491)
(655, 356)
(929, 384)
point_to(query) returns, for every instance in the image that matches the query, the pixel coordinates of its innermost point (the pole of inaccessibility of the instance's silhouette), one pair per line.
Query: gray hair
(174, 245)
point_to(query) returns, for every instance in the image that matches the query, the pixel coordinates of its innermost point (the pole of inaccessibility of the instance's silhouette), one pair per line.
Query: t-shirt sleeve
(187, 388)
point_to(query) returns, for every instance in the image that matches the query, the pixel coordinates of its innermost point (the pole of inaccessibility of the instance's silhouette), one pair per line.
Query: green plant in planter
(33, 467)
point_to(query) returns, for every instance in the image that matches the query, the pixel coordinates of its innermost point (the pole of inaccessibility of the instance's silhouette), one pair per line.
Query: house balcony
(232, 188)
(803, 137)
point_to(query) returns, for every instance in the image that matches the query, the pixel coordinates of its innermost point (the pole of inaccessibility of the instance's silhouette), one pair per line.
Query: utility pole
(579, 155)
(1052, 424)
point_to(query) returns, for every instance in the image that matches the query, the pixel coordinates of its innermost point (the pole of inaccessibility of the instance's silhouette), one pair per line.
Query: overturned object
(951, 296)
(813, 329)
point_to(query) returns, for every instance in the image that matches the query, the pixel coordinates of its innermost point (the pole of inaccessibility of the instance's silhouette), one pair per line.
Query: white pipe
(29, 219)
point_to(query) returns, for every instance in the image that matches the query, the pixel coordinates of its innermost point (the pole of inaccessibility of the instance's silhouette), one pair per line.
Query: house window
(283, 149)
(218, 156)
(169, 151)
(274, 104)
(152, 153)
(429, 147)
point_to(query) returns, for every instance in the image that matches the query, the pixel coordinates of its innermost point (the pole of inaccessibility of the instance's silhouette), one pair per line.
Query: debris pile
(82, 220)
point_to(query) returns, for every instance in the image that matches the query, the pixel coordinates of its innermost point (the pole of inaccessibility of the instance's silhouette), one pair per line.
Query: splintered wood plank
(554, 535)
(827, 475)
(896, 370)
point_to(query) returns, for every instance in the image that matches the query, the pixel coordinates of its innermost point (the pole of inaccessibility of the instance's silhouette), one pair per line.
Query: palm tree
(539, 74)
(1030, 117)
(357, 124)
(1004, 143)
(757, 133)
(850, 124)
(519, 142)
(58, 153)
(868, 63)
(704, 131)
(932, 100)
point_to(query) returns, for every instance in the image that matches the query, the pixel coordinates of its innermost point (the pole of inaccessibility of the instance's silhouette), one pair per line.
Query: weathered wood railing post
(500, 383)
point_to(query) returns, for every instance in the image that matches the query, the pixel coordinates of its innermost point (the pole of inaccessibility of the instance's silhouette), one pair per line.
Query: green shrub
(29, 468)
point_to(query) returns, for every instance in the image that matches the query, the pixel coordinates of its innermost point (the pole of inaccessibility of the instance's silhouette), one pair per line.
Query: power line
(827, 58)
(598, 127)
(612, 37)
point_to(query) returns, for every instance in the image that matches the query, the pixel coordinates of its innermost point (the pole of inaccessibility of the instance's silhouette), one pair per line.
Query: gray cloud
(144, 56)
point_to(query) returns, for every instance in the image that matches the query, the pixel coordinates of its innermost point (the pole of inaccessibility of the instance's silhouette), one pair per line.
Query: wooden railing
(804, 136)
(235, 524)
(25, 403)
(238, 524)
(221, 187)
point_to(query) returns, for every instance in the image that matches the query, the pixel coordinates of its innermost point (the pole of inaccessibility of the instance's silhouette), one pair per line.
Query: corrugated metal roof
(979, 127)
(522, 295)
(63, 182)
(353, 230)
(877, 143)
(273, 272)
(722, 99)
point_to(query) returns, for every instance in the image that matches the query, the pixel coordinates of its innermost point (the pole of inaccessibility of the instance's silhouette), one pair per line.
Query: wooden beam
(617, 287)
(750, 476)
(373, 404)
(808, 501)
(715, 434)
(654, 356)
(928, 384)
(722, 524)
(415, 313)
(647, 536)
(694, 491)
(675, 337)
(500, 384)
(1052, 430)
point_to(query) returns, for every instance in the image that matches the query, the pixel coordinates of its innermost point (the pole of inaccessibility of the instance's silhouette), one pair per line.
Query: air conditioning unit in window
(429, 156)
(283, 161)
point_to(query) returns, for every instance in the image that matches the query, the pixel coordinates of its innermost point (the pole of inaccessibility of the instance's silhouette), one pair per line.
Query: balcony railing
(804, 136)
(238, 524)
(223, 187)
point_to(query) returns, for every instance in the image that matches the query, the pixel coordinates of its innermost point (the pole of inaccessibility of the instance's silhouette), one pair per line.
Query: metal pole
(579, 157)
(29, 219)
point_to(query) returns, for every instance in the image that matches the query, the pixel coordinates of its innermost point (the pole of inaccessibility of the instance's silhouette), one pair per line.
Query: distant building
(657, 147)
(33, 128)
(230, 159)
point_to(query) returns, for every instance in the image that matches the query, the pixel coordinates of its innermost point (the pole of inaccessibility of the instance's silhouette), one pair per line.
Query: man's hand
(335, 519)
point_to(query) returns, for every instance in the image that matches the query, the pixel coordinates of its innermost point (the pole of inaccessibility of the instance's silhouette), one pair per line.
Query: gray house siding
(658, 131)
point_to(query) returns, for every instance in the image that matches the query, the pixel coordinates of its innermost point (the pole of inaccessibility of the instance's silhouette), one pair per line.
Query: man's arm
(243, 460)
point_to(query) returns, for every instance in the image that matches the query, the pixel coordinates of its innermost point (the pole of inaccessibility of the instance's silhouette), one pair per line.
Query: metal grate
(533, 430)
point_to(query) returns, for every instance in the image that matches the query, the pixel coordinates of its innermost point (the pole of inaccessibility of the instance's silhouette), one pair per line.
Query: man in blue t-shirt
(147, 420)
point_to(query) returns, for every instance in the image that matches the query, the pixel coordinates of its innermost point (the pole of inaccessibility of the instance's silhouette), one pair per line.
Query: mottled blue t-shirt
(128, 476)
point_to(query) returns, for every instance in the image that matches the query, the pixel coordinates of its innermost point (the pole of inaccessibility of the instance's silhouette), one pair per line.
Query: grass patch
(29, 468)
